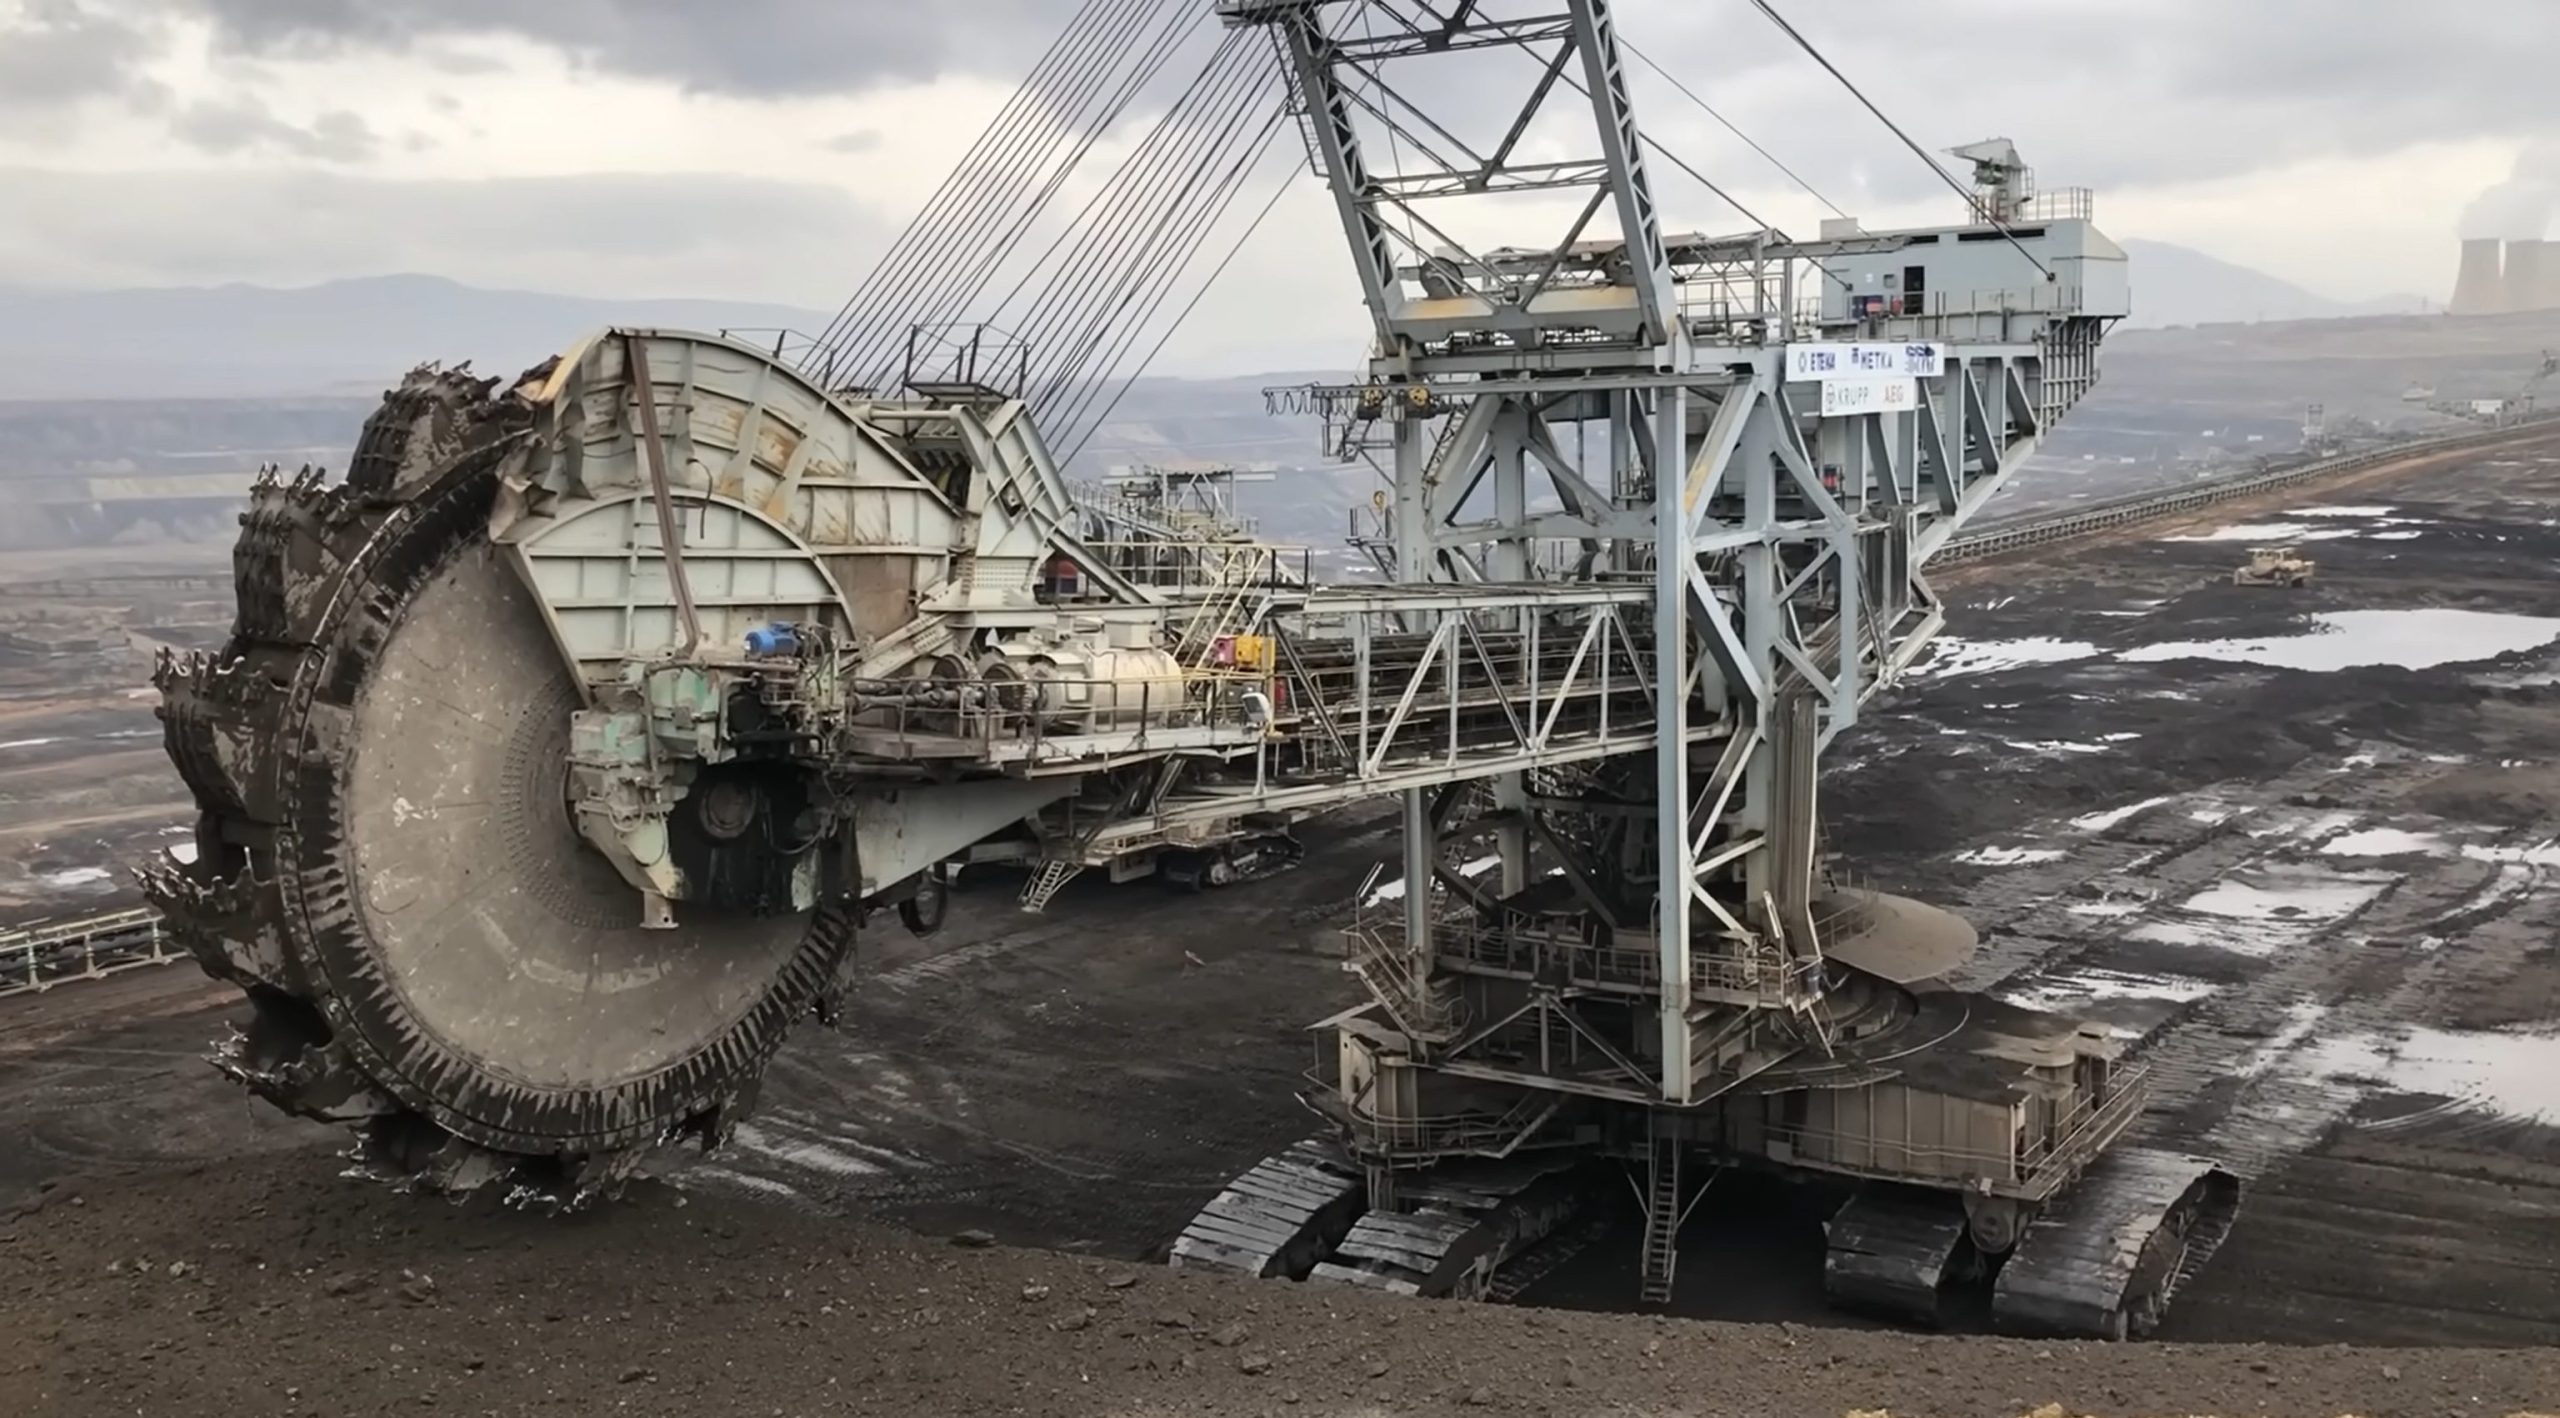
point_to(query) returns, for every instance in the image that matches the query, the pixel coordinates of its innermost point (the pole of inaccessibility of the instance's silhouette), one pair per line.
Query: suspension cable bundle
(1078, 294)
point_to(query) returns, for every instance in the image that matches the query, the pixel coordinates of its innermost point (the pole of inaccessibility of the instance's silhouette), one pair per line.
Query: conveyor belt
(2105, 1258)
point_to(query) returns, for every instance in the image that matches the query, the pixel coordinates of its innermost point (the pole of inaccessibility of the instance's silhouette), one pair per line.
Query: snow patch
(1394, 890)
(2010, 856)
(2515, 1075)
(1953, 657)
(2544, 854)
(2251, 532)
(2411, 639)
(2101, 821)
(2383, 842)
(2274, 911)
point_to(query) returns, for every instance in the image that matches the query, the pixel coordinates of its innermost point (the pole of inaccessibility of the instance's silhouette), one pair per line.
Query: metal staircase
(1424, 1006)
(1046, 882)
(1662, 1217)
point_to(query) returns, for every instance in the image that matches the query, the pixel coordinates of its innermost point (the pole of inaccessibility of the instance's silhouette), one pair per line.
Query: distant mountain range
(352, 337)
(345, 337)
(2179, 285)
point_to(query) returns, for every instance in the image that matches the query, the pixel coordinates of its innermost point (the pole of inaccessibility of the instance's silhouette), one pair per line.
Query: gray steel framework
(1780, 551)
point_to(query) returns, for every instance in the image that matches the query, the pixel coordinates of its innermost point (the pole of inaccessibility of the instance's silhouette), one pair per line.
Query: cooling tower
(2528, 275)
(2479, 289)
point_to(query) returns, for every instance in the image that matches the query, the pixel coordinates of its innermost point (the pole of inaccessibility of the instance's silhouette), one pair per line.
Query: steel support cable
(1103, 419)
(1395, 149)
(947, 260)
(987, 182)
(1729, 125)
(1003, 129)
(1922, 153)
(1168, 242)
(1157, 238)
(1125, 318)
(1184, 141)
(984, 254)
(1125, 383)
(1167, 41)
(1064, 252)
(1110, 236)
(988, 177)
(954, 299)
(1111, 337)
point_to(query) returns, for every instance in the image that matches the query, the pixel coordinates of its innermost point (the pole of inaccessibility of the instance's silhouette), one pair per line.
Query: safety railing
(1726, 967)
(2039, 1166)
(1992, 314)
(2053, 204)
(1482, 1133)
(1058, 720)
(42, 957)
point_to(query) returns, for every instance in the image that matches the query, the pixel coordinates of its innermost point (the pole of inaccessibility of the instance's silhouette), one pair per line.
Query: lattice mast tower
(1761, 525)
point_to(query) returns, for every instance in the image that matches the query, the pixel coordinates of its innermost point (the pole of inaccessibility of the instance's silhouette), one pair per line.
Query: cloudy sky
(766, 149)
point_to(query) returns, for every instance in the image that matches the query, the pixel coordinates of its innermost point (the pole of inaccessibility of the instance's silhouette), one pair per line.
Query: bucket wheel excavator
(562, 749)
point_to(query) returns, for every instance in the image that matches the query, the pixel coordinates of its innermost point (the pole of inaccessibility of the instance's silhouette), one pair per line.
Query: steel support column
(1675, 867)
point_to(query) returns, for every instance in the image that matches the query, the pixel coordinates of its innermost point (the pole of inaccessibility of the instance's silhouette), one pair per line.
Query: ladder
(1424, 1007)
(1046, 882)
(1661, 1219)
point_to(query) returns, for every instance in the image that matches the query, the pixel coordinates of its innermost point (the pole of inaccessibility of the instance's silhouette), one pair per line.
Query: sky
(768, 149)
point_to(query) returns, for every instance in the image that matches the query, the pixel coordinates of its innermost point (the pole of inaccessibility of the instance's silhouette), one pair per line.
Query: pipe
(670, 532)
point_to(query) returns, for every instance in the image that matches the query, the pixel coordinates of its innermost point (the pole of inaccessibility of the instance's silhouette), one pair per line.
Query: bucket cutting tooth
(215, 720)
(226, 923)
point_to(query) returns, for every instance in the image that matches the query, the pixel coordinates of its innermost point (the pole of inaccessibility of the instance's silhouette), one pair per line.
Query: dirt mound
(273, 1286)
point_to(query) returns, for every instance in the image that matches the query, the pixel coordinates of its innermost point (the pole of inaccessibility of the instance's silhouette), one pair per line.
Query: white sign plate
(1889, 394)
(1863, 361)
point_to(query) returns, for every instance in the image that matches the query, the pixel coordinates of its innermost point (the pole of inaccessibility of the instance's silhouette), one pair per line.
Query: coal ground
(2315, 899)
